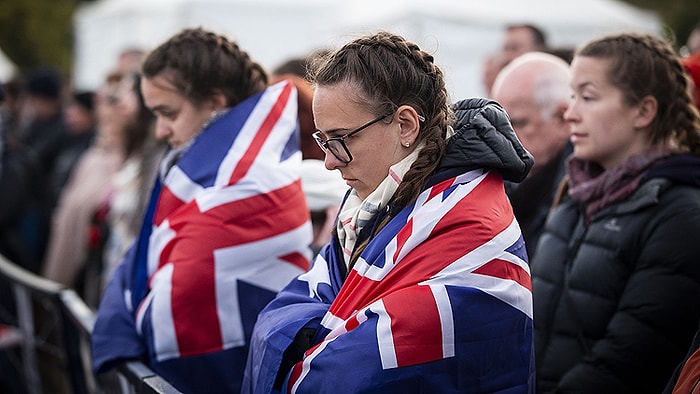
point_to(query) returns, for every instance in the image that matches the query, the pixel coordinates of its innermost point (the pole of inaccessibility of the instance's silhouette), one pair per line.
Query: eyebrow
(334, 131)
(160, 108)
(582, 85)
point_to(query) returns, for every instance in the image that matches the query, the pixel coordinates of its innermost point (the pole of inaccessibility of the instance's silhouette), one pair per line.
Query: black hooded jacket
(484, 138)
(615, 301)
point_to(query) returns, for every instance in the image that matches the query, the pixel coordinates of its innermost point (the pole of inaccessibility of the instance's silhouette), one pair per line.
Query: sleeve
(657, 315)
(114, 336)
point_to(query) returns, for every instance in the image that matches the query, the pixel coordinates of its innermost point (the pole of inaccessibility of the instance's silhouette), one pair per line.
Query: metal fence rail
(54, 354)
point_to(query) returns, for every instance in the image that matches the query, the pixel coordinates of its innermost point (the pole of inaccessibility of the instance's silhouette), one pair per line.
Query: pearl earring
(406, 144)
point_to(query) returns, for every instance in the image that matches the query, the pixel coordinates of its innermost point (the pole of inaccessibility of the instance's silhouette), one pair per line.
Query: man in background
(520, 39)
(534, 90)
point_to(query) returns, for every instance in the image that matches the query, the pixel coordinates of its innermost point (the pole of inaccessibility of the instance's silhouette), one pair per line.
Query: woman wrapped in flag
(425, 285)
(227, 226)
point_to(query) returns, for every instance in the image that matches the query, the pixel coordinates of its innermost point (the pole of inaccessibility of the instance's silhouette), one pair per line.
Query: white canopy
(460, 33)
(7, 68)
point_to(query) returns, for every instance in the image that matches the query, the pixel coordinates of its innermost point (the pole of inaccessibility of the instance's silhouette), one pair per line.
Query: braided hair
(201, 62)
(389, 72)
(644, 65)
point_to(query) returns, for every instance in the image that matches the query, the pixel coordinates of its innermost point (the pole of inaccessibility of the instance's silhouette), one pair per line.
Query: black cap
(85, 100)
(45, 83)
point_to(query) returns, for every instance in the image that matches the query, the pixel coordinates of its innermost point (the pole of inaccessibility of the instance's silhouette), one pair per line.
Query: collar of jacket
(647, 194)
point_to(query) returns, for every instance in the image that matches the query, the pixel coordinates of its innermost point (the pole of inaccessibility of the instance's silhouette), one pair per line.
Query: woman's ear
(409, 122)
(216, 101)
(647, 109)
(558, 115)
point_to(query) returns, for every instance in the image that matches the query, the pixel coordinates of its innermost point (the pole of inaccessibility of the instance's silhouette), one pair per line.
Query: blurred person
(692, 66)
(686, 377)
(520, 39)
(11, 111)
(690, 53)
(534, 90)
(564, 53)
(43, 105)
(692, 44)
(129, 61)
(18, 169)
(400, 300)
(227, 225)
(324, 191)
(15, 173)
(118, 219)
(490, 68)
(43, 135)
(81, 122)
(294, 70)
(67, 249)
(616, 270)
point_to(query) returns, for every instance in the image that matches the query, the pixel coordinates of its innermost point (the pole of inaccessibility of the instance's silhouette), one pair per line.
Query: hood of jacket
(484, 138)
(679, 168)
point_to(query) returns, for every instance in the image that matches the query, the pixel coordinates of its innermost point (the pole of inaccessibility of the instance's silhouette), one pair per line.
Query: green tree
(679, 16)
(38, 32)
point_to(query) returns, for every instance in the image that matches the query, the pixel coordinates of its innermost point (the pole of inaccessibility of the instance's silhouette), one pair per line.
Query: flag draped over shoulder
(226, 229)
(440, 301)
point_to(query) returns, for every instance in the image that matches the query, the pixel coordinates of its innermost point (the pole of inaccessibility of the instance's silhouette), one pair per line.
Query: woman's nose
(331, 161)
(162, 131)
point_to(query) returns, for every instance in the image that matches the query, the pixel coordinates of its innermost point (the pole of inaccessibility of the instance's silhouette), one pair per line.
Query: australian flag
(226, 229)
(440, 301)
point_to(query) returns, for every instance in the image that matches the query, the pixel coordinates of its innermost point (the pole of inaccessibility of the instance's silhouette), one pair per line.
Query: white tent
(460, 33)
(7, 68)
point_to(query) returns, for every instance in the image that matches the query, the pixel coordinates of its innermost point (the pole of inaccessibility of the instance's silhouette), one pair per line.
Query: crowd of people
(342, 218)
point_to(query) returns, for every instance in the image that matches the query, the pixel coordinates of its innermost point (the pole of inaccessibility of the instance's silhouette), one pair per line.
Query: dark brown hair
(389, 72)
(202, 62)
(645, 65)
(140, 130)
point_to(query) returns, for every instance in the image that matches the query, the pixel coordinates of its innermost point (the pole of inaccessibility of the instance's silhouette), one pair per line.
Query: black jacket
(484, 138)
(615, 301)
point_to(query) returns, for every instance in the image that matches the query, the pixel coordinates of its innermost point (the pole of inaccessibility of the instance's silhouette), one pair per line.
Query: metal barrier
(54, 354)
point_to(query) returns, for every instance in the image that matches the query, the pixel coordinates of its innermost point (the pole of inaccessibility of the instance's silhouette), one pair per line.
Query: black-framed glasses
(336, 145)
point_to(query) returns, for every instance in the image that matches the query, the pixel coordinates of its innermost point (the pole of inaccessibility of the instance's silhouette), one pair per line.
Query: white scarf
(355, 213)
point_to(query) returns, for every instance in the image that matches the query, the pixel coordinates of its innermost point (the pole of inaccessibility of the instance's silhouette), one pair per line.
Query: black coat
(615, 301)
(484, 138)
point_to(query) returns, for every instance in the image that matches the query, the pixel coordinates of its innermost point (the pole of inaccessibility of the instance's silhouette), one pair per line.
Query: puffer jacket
(615, 301)
(484, 138)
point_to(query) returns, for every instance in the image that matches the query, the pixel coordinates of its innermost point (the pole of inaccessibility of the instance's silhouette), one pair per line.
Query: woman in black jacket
(617, 271)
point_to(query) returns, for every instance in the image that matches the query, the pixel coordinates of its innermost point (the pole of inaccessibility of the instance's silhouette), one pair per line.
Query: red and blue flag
(440, 301)
(226, 229)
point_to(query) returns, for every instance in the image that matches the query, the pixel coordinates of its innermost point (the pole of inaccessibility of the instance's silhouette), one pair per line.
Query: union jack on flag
(225, 231)
(439, 301)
